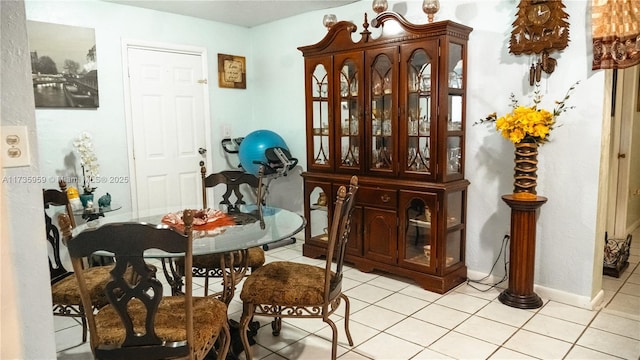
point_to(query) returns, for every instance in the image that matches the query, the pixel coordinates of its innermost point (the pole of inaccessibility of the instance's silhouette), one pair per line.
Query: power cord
(503, 250)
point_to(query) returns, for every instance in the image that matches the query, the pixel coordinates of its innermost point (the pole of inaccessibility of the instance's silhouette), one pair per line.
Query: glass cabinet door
(350, 111)
(318, 118)
(382, 125)
(455, 225)
(418, 120)
(318, 213)
(418, 72)
(455, 114)
(419, 219)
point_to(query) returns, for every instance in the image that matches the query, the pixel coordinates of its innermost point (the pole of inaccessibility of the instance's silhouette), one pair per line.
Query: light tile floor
(392, 318)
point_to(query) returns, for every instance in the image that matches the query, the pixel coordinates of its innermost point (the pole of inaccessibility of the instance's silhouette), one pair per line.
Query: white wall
(568, 168)
(568, 173)
(26, 326)
(57, 128)
(274, 99)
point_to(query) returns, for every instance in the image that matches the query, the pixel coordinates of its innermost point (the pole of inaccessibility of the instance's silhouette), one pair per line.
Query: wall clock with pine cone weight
(540, 27)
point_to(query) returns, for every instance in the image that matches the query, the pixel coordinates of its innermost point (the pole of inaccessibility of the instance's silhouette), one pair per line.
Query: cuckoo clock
(540, 27)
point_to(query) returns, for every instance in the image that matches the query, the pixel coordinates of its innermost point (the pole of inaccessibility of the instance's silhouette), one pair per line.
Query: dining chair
(286, 289)
(65, 294)
(139, 322)
(234, 264)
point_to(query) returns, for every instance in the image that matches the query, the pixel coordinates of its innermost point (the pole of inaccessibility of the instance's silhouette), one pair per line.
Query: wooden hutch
(392, 111)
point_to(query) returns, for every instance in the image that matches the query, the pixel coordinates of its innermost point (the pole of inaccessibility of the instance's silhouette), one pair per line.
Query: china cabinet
(390, 108)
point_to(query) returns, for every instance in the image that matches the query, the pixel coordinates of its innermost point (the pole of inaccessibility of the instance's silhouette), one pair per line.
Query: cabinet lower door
(354, 244)
(418, 248)
(317, 212)
(380, 234)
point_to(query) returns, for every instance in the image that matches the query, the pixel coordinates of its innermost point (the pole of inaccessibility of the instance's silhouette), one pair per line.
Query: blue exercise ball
(252, 149)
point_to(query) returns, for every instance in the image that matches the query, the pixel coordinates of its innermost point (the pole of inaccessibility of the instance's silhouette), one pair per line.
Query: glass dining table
(279, 224)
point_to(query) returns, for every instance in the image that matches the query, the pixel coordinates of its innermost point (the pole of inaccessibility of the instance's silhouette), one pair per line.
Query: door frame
(619, 123)
(164, 47)
(609, 175)
(625, 116)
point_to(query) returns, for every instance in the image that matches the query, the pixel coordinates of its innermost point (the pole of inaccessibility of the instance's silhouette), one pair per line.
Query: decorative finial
(430, 7)
(365, 33)
(329, 20)
(379, 6)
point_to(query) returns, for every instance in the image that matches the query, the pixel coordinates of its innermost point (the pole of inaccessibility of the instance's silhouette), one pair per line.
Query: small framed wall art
(232, 71)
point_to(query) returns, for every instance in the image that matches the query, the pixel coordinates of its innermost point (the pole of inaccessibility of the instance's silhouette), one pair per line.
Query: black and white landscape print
(63, 65)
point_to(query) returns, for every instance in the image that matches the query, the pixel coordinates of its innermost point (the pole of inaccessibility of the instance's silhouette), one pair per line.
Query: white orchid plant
(88, 161)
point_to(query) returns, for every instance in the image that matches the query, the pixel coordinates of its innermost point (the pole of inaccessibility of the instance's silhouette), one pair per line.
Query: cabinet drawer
(378, 197)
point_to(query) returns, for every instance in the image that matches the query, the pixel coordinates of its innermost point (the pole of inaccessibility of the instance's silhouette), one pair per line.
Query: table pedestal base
(529, 301)
(236, 348)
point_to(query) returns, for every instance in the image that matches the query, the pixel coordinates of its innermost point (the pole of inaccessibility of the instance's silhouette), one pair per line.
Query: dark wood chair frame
(57, 271)
(230, 275)
(338, 236)
(128, 241)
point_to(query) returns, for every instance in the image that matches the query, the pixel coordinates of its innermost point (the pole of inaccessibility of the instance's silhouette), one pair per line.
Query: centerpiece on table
(528, 127)
(89, 163)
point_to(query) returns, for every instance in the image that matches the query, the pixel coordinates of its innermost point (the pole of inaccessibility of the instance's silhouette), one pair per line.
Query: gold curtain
(616, 33)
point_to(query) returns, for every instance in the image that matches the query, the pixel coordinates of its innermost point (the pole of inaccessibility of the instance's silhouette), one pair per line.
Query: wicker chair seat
(212, 261)
(285, 283)
(208, 316)
(66, 291)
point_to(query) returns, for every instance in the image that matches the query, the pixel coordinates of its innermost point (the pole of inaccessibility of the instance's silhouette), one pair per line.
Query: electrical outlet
(226, 131)
(15, 146)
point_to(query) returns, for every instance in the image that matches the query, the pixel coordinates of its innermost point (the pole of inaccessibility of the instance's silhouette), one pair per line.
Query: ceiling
(247, 13)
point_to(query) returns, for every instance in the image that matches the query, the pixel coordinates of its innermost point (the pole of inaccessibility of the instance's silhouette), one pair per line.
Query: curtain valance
(616, 33)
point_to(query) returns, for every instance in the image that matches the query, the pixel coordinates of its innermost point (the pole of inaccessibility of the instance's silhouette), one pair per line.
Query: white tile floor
(392, 318)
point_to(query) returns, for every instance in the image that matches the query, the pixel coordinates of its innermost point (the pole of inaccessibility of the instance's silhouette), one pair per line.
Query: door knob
(202, 151)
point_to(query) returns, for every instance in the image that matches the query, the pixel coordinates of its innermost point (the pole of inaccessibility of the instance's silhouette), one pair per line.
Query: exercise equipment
(262, 148)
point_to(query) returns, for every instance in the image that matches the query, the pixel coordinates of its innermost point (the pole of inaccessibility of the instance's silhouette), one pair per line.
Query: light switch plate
(15, 146)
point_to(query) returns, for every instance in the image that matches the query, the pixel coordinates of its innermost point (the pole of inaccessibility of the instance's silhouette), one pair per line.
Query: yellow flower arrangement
(529, 123)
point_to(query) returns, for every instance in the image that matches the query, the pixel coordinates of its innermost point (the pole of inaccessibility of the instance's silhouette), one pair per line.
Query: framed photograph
(63, 65)
(232, 71)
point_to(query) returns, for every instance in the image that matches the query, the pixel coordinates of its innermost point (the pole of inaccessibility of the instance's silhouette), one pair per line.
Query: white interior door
(168, 121)
(627, 204)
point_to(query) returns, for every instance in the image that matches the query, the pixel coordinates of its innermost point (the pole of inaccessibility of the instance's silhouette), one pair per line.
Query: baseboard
(564, 297)
(546, 293)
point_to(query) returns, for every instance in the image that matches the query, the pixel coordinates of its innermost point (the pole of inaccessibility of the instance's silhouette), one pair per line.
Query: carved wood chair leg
(347, 311)
(276, 326)
(334, 337)
(247, 315)
(85, 329)
(206, 284)
(224, 341)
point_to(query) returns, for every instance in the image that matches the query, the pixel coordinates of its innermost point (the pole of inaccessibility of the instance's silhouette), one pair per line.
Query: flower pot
(84, 198)
(526, 165)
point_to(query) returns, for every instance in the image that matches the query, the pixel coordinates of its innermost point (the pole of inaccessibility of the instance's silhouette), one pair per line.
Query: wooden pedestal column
(522, 253)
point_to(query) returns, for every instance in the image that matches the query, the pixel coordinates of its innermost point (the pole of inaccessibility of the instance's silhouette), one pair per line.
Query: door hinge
(203, 81)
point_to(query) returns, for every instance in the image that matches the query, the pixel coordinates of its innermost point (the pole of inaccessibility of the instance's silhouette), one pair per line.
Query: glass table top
(279, 224)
